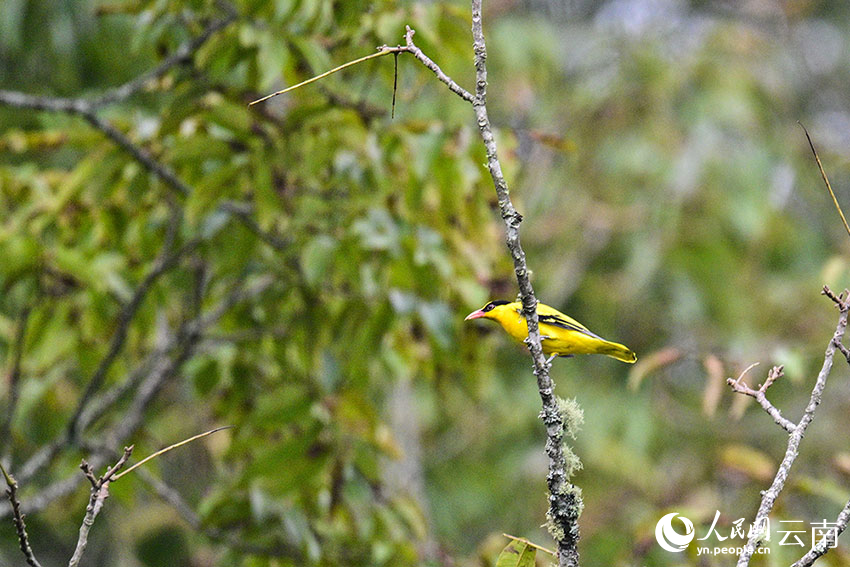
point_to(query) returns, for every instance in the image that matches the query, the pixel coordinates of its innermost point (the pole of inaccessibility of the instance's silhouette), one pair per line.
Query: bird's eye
(488, 307)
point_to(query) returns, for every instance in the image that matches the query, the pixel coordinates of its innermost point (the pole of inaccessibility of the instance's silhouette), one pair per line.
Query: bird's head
(489, 311)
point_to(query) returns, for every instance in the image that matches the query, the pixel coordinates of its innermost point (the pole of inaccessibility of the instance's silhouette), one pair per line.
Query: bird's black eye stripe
(492, 304)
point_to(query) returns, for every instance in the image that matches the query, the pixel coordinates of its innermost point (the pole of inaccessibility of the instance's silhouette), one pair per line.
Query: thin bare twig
(844, 350)
(425, 60)
(825, 178)
(395, 83)
(741, 387)
(409, 47)
(99, 493)
(839, 299)
(18, 518)
(171, 447)
(383, 50)
(530, 543)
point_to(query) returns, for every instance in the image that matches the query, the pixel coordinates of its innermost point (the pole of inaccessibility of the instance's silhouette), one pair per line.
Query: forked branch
(741, 387)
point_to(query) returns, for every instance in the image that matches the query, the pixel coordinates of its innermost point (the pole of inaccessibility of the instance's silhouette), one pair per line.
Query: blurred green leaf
(517, 554)
(316, 258)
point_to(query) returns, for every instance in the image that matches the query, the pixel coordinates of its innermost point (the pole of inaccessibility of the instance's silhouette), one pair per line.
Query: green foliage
(517, 554)
(669, 201)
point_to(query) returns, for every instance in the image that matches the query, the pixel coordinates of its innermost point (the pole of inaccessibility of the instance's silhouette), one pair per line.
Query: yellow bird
(560, 335)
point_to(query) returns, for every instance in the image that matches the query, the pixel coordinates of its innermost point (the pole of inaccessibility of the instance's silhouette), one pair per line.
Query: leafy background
(670, 202)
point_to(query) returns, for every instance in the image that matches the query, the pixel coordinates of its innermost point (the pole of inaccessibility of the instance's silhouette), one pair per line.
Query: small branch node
(839, 300)
(772, 376)
(87, 470)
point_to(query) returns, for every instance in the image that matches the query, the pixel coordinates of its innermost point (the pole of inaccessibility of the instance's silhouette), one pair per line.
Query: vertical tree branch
(564, 499)
(99, 493)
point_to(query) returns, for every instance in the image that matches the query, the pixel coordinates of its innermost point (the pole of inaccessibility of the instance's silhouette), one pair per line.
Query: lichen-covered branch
(565, 502)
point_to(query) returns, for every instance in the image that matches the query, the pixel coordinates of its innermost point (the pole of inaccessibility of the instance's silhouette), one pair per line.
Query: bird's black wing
(557, 321)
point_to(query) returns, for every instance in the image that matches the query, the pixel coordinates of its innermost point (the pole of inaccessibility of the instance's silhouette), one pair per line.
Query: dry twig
(171, 447)
(825, 178)
(741, 387)
(18, 518)
(99, 493)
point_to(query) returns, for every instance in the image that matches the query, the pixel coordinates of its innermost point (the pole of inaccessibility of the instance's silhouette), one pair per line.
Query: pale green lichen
(572, 464)
(572, 417)
(575, 505)
(556, 531)
(566, 507)
(571, 414)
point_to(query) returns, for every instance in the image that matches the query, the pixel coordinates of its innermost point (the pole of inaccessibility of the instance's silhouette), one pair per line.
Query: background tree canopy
(300, 269)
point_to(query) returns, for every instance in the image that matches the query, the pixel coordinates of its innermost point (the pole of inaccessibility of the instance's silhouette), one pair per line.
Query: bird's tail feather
(618, 351)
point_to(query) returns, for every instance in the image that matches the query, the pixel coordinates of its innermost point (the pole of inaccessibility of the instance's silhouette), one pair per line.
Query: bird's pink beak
(475, 315)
